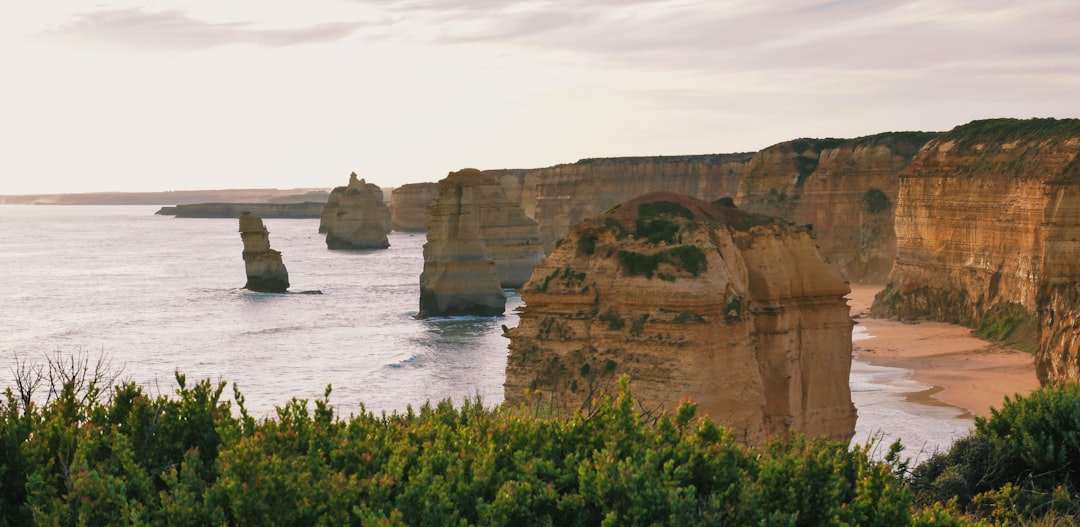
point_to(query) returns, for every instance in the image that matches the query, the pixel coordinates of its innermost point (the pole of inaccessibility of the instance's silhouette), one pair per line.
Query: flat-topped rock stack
(356, 217)
(735, 310)
(265, 271)
(459, 276)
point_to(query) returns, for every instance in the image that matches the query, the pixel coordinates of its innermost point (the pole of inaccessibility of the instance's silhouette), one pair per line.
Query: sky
(182, 95)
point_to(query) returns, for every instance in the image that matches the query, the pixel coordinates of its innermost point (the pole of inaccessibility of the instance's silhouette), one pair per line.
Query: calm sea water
(157, 294)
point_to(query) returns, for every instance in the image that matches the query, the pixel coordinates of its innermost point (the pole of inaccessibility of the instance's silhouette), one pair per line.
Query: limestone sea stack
(459, 276)
(987, 227)
(356, 217)
(735, 310)
(265, 271)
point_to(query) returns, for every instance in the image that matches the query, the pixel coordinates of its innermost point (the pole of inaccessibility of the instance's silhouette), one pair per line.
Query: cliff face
(519, 185)
(845, 189)
(409, 204)
(356, 217)
(265, 271)
(459, 276)
(733, 309)
(987, 221)
(568, 193)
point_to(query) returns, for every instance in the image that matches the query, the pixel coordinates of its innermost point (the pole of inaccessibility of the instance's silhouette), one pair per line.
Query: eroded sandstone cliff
(356, 217)
(987, 224)
(459, 276)
(844, 188)
(689, 299)
(409, 204)
(265, 271)
(568, 193)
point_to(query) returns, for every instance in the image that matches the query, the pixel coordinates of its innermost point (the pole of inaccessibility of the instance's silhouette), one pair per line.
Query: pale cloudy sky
(171, 94)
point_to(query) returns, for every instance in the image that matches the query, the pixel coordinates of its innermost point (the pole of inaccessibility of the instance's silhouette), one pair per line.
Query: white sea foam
(880, 394)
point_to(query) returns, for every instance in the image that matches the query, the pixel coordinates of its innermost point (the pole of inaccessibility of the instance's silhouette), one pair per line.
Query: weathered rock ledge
(735, 310)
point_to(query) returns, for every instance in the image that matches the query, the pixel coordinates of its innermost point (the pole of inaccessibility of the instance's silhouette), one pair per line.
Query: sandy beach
(963, 371)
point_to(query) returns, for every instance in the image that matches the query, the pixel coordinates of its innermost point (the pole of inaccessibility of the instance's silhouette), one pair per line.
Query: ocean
(155, 295)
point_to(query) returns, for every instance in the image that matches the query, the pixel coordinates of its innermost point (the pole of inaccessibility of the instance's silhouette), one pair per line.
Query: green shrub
(655, 221)
(876, 201)
(655, 209)
(614, 321)
(1040, 432)
(689, 258)
(1020, 465)
(637, 264)
(93, 461)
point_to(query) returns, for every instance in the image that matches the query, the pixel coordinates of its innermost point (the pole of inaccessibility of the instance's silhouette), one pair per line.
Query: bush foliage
(1020, 464)
(188, 458)
(876, 201)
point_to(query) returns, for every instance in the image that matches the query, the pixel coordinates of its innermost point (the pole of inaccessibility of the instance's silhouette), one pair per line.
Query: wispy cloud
(764, 34)
(174, 30)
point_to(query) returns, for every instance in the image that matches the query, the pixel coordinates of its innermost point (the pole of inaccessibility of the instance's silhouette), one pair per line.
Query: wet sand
(962, 370)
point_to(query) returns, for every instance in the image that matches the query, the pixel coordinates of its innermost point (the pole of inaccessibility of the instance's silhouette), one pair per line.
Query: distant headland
(174, 197)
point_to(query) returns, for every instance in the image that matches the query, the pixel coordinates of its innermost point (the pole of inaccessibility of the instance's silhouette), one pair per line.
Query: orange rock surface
(736, 311)
(988, 234)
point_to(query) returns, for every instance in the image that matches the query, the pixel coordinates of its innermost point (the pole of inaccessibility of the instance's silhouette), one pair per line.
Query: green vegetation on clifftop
(1002, 131)
(123, 457)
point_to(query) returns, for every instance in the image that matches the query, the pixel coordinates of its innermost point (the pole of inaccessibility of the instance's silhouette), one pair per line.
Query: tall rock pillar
(265, 271)
(459, 277)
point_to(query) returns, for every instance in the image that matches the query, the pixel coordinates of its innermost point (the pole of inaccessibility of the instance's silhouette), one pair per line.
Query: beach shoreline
(961, 370)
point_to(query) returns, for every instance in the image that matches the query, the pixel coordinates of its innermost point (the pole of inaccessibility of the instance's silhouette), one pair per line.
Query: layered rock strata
(987, 224)
(735, 310)
(356, 217)
(846, 189)
(409, 204)
(519, 185)
(265, 271)
(459, 276)
(569, 193)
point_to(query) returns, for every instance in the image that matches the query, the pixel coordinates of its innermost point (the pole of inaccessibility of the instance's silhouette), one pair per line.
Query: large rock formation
(409, 204)
(569, 193)
(356, 217)
(265, 271)
(509, 237)
(459, 276)
(734, 310)
(844, 188)
(987, 225)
